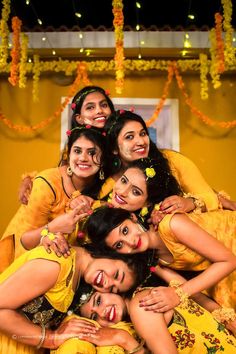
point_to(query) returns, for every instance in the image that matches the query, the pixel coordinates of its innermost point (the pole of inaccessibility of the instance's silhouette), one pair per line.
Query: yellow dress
(59, 296)
(195, 331)
(75, 345)
(47, 200)
(222, 226)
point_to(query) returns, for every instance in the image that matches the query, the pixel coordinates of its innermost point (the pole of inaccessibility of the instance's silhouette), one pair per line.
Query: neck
(83, 259)
(154, 239)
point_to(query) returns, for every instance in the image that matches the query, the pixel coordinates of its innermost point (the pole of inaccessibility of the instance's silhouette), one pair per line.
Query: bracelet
(135, 350)
(43, 335)
(46, 233)
(198, 203)
(183, 296)
(224, 315)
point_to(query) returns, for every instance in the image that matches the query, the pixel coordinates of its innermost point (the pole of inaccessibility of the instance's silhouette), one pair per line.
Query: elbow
(24, 243)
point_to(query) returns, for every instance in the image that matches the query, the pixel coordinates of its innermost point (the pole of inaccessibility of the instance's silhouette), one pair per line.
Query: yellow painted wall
(212, 149)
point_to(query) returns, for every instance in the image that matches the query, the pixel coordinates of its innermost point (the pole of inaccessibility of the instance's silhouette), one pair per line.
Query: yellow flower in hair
(150, 172)
(144, 211)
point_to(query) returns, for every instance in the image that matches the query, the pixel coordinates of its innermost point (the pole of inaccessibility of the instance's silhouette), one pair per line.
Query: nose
(139, 140)
(83, 156)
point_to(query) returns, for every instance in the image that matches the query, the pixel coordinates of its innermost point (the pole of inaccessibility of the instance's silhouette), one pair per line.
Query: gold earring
(101, 174)
(69, 171)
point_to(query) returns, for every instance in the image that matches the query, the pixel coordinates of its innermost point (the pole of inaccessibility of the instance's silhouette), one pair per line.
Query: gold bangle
(42, 338)
(135, 350)
(224, 315)
(183, 296)
(198, 202)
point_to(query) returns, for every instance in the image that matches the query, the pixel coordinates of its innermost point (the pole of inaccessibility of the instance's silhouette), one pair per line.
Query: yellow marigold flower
(157, 206)
(150, 172)
(144, 211)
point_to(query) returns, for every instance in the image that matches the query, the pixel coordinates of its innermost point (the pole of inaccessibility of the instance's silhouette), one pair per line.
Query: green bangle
(135, 350)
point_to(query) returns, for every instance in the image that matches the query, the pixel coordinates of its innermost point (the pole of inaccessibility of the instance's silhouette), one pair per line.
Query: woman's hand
(59, 245)
(175, 202)
(160, 299)
(82, 201)
(65, 223)
(73, 328)
(25, 189)
(156, 217)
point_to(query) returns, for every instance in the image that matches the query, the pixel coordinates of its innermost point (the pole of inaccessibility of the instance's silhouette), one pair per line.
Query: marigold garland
(205, 119)
(23, 60)
(36, 76)
(163, 97)
(118, 23)
(219, 43)
(203, 76)
(72, 91)
(15, 52)
(4, 33)
(229, 49)
(214, 63)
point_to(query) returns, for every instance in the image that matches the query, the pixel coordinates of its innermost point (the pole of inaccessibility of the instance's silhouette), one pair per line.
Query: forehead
(94, 97)
(135, 176)
(83, 141)
(131, 126)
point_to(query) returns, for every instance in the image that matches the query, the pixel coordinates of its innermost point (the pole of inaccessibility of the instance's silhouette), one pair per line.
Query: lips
(111, 315)
(83, 166)
(99, 279)
(100, 119)
(138, 244)
(119, 200)
(141, 151)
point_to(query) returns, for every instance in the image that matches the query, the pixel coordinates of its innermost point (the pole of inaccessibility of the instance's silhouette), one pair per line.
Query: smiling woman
(52, 190)
(50, 293)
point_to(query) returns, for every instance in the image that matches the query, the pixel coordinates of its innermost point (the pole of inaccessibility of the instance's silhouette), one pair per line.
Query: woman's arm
(152, 327)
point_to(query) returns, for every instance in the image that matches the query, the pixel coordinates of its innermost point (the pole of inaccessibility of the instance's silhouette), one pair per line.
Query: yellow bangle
(46, 233)
(135, 350)
(224, 315)
(198, 203)
(183, 296)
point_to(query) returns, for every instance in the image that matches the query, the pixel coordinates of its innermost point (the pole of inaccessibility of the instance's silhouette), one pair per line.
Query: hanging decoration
(163, 97)
(229, 49)
(15, 52)
(219, 44)
(118, 23)
(23, 60)
(4, 33)
(215, 76)
(203, 76)
(36, 76)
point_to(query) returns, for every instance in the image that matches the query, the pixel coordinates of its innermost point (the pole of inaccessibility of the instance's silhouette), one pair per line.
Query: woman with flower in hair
(52, 190)
(90, 106)
(188, 328)
(193, 242)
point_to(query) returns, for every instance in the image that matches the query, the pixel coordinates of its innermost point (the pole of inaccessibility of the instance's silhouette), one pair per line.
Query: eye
(119, 245)
(129, 137)
(77, 150)
(123, 180)
(89, 107)
(116, 275)
(94, 316)
(98, 300)
(136, 192)
(143, 133)
(104, 105)
(125, 230)
(92, 152)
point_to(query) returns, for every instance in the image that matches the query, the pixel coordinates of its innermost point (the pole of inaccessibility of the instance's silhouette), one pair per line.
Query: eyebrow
(133, 185)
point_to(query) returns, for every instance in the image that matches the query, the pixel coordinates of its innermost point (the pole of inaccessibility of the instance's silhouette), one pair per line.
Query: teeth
(84, 167)
(100, 119)
(99, 278)
(111, 314)
(119, 200)
(140, 150)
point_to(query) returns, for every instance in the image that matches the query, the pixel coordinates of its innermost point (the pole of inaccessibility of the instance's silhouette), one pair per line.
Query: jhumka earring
(116, 162)
(69, 171)
(101, 175)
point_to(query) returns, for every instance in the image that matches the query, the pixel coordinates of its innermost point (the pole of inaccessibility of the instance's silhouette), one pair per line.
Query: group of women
(116, 209)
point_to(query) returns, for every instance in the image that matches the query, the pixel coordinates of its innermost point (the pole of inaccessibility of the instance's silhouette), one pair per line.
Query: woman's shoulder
(50, 173)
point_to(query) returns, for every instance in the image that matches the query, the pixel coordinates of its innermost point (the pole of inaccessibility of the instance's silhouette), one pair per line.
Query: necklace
(72, 182)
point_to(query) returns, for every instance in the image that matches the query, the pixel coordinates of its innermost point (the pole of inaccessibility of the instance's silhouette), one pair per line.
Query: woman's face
(84, 157)
(133, 142)
(128, 237)
(107, 309)
(94, 111)
(130, 191)
(109, 275)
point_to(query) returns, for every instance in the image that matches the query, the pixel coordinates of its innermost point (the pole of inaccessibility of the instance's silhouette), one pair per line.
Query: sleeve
(42, 198)
(191, 179)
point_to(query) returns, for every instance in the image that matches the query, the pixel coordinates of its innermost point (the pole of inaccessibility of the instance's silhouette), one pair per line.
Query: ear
(133, 217)
(115, 152)
(78, 119)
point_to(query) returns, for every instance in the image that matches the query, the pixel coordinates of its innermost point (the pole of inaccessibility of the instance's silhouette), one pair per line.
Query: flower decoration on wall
(229, 49)
(4, 33)
(118, 23)
(15, 52)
